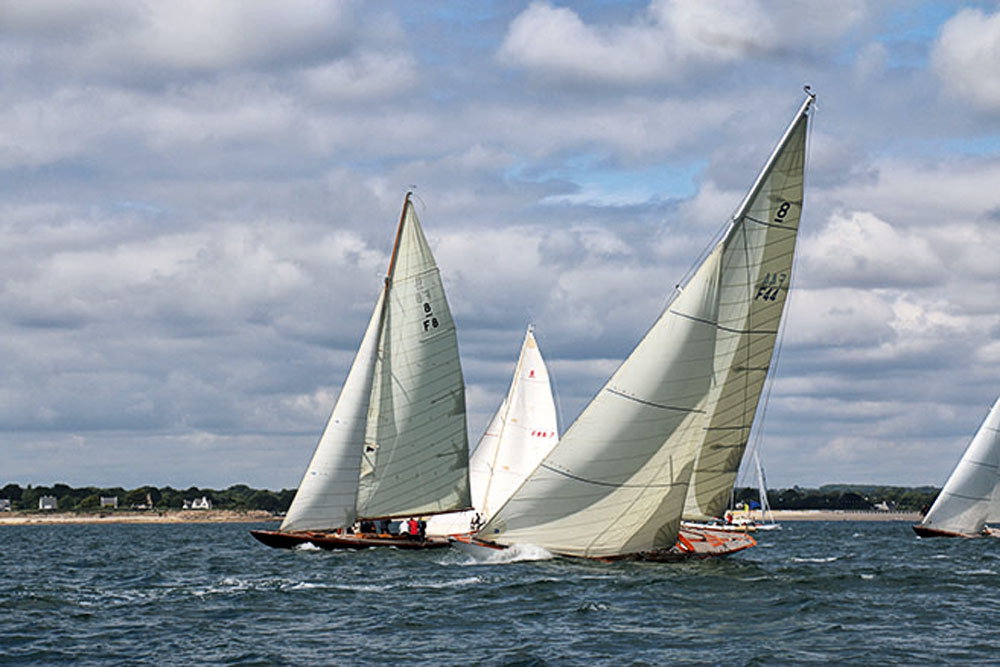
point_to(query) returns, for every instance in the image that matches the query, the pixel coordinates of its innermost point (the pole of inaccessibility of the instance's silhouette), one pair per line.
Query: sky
(198, 200)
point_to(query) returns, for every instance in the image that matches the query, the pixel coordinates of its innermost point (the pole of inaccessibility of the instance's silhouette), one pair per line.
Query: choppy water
(196, 594)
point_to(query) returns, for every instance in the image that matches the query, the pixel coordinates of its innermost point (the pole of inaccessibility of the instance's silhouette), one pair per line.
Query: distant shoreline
(235, 516)
(842, 515)
(165, 516)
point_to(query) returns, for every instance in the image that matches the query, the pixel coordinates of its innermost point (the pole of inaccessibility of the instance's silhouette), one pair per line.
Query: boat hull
(692, 543)
(926, 531)
(335, 541)
(721, 527)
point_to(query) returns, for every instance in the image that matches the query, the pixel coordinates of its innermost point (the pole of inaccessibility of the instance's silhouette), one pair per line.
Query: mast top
(399, 232)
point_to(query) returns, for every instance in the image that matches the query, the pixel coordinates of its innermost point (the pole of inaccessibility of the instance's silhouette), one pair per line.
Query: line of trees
(237, 497)
(857, 497)
(242, 497)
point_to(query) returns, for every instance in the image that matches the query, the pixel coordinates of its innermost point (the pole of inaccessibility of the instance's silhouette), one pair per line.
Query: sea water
(813, 592)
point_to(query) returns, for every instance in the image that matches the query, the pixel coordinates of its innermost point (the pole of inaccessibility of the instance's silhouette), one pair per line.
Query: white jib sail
(964, 504)
(616, 483)
(326, 495)
(416, 447)
(756, 275)
(521, 433)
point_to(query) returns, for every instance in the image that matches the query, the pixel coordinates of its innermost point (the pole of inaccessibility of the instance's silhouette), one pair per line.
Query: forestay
(616, 482)
(969, 497)
(328, 490)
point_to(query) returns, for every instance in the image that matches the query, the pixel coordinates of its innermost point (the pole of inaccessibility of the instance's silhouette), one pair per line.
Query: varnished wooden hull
(925, 531)
(333, 541)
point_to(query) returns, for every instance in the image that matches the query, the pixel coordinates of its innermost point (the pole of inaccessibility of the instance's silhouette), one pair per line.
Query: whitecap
(520, 552)
(512, 554)
(828, 559)
(465, 581)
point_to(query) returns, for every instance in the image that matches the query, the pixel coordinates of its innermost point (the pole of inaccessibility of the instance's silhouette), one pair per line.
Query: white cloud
(665, 42)
(965, 57)
(859, 249)
(367, 75)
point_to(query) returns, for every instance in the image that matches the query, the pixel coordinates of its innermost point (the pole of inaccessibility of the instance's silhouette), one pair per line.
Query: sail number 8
(779, 217)
(430, 322)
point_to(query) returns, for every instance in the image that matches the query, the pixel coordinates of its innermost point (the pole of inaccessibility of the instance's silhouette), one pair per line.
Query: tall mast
(399, 232)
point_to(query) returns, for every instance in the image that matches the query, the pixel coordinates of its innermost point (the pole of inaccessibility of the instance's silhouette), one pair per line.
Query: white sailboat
(395, 445)
(678, 411)
(971, 496)
(522, 431)
(740, 516)
(767, 521)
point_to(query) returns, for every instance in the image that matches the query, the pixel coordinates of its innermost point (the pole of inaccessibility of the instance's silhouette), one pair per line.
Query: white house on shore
(48, 503)
(202, 503)
(4, 504)
(111, 501)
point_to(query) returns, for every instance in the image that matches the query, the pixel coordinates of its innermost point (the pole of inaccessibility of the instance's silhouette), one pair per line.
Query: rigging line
(716, 239)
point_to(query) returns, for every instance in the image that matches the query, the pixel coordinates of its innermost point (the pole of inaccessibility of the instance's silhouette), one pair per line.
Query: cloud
(965, 57)
(663, 43)
(140, 42)
(859, 249)
(364, 76)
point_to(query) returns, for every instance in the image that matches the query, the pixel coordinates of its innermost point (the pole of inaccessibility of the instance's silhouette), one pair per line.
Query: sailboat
(971, 495)
(677, 413)
(767, 521)
(522, 431)
(395, 445)
(739, 517)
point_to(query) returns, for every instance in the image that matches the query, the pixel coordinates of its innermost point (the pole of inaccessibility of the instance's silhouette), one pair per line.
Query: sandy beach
(165, 516)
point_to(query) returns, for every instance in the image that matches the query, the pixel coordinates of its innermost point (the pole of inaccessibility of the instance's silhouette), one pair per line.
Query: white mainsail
(520, 434)
(969, 497)
(757, 267)
(396, 442)
(616, 482)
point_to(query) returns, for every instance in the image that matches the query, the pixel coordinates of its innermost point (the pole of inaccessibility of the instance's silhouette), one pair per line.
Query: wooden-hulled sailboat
(522, 431)
(970, 497)
(680, 407)
(395, 445)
